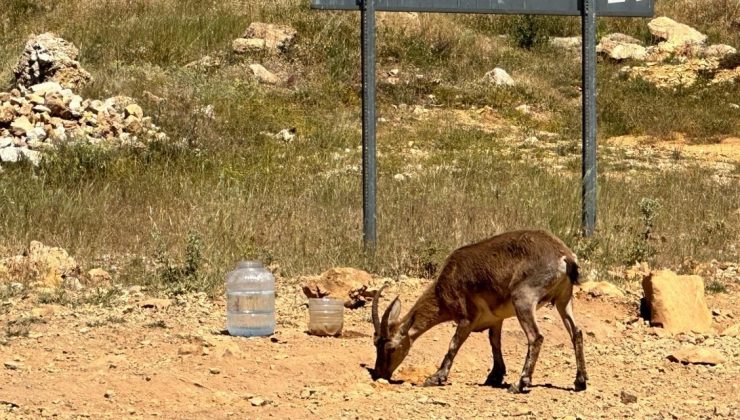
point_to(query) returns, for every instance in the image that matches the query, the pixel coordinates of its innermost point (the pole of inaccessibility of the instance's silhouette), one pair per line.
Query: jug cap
(249, 264)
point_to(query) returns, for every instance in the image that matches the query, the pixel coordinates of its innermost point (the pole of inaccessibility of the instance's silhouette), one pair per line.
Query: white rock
(37, 134)
(46, 87)
(676, 34)
(263, 75)
(499, 77)
(10, 154)
(33, 156)
(5, 142)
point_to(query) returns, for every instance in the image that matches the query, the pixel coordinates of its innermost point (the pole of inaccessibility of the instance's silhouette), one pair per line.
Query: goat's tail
(571, 269)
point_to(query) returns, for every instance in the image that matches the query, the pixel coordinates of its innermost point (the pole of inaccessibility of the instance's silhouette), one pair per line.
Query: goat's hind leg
(565, 309)
(525, 307)
(461, 334)
(496, 377)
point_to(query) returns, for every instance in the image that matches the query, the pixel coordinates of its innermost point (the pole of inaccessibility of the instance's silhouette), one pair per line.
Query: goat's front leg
(525, 312)
(496, 377)
(461, 334)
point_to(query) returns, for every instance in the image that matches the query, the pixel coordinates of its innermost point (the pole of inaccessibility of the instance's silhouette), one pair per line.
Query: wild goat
(479, 286)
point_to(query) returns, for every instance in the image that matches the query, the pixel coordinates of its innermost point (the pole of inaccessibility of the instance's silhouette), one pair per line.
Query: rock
(499, 77)
(257, 401)
(263, 75)
(524, 109)
(343, 283)
(601, 288)
(32, 156)
(133, 110)
(10, 155)
(620, 47)
(248, 45)
(287, 134)
(109, 393)
(7, 114)
(46, 311)
(277, 37)
(12, 365)
(49, 58)
(568, 43)
(731, 331)
(187, 349)
(697, 355)
(21, 126)
(98, 276)
(677, 35)
(5, 142)
(45, 88)
(156, 303)
(677, 302)
(627, 398)
(718, 51)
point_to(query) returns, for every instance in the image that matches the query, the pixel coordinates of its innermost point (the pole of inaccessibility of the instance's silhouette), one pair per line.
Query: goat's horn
(376, 317)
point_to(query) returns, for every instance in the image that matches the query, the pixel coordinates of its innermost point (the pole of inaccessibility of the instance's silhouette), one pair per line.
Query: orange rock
(677, 302)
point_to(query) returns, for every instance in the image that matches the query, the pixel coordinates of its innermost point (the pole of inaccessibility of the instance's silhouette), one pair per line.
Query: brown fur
(479, 286)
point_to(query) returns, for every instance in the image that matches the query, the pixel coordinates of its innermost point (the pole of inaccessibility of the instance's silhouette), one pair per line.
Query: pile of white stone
(44, 111)
(675, 61)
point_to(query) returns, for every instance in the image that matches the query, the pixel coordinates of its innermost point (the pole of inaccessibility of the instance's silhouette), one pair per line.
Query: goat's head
(391, 338)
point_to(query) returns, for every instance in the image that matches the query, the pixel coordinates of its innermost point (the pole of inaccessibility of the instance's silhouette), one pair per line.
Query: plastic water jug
(325, 317)
(250, 300)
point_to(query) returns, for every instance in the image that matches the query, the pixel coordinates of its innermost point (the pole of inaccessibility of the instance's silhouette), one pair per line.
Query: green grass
(243, 194)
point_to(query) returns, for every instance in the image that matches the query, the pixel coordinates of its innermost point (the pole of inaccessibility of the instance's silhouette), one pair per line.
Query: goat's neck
(425, 314)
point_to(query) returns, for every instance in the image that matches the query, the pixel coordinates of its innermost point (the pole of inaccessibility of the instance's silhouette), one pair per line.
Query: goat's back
(495, 266)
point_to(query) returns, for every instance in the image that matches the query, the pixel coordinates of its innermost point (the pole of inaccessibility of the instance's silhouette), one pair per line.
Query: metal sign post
(588, 99)
(587, 9)
(369, 155)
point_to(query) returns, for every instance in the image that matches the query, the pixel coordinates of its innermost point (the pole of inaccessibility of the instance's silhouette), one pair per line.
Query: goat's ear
(406, 326)
(391, 314)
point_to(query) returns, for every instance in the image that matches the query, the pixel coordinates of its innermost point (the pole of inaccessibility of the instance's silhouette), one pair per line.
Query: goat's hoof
(435, 380)
(515, 389)
(495, 380)
(580, 385)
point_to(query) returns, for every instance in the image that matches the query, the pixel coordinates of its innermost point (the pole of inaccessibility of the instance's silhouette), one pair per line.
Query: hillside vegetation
(454, 163)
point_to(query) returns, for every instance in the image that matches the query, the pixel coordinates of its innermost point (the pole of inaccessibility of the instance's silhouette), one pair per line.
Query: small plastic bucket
(325, 317)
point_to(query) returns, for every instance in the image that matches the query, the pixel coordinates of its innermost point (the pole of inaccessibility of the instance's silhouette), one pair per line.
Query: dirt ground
(126, 360)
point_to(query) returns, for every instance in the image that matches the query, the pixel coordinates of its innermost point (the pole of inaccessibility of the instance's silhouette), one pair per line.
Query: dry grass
(243, 194)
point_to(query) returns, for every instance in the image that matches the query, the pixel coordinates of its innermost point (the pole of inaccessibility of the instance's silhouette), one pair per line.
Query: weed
(156, 324)
(716, 286)
(642, 249)
(21, 327)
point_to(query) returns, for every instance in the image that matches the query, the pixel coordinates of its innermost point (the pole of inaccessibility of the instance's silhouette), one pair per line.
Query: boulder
(601, 288)
(676, 35)
(697, 355)
(677, 302)
(47, 57)
(10, 155)
(21, 126)
(276, 37)
(263, 75)
(731, 331)
(568, 42)
(349, 284)
(499, 77)
(718, 51)
(620, 47)
(52, 264)
(248, 45)
(98, 276)
(7, 114)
